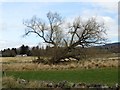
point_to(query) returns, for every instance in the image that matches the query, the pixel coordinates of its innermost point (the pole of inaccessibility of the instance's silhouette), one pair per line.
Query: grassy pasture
(16, 59)
(104, 76)
(30, 58)
(100, 70)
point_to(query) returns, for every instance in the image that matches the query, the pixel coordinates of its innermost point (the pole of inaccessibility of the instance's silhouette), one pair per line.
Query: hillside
(112, 47)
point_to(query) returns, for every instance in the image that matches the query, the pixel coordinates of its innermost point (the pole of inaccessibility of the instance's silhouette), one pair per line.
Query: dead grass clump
(10, 82)
(29, 66)
(98, 63)
(33, 84)
(72, 66)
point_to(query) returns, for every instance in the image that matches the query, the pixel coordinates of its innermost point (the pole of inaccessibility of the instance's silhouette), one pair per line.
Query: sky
(12, 15)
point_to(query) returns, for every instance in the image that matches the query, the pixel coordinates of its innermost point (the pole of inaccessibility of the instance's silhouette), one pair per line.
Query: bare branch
(66, 44)
(90, 32)
(81, 33)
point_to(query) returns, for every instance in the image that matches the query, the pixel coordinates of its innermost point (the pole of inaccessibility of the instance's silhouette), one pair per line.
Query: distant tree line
(49, 51)
(22, 50)
(29, 51)
(15, 51)
(9, 52)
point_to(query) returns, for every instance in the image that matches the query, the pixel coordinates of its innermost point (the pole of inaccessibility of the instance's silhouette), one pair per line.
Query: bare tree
(81, 33)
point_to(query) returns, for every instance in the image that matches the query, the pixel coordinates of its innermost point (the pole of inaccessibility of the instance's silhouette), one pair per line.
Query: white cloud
(111, 7)
(104, 7)
(112, 26)
(107, 12)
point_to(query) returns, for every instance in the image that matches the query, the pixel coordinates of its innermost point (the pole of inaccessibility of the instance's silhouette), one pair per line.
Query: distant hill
(112, 47)
(112, 44)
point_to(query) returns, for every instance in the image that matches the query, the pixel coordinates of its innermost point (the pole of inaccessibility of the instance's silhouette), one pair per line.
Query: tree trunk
(60, 54)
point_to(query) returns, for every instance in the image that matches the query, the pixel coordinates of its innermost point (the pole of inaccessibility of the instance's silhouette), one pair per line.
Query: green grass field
(104, 76)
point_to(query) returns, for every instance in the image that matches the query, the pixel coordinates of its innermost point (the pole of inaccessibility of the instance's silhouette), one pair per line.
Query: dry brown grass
(33, 84)
(0, 83)
(93, 63)
(16, 59)
(10, 82)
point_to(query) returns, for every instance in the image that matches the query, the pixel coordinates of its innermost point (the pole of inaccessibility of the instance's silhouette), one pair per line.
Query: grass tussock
(10, 82)
(33, 84)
